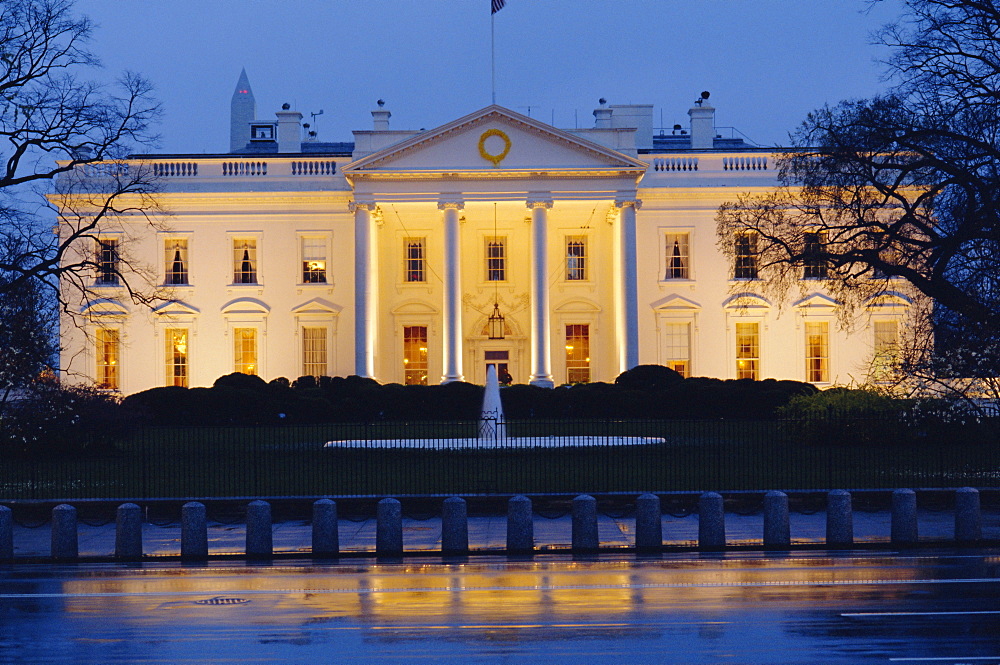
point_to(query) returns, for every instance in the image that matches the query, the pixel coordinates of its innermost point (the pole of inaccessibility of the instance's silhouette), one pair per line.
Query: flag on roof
(496, 5)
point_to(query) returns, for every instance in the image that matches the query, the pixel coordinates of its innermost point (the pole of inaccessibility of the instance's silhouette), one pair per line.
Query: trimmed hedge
(647, 391)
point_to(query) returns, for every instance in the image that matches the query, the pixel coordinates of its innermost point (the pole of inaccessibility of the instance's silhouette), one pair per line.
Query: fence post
(325, 533)
(454, 527)
(260, 537)
(585, 539)
(648, 523)
(6, 534)
(839, 519)
(904, 517)
(777, 534)
(389, 529)
(194, 531)
(64, 536)
(128, 532)
(711, 522)
(968, 519)
(520, 526)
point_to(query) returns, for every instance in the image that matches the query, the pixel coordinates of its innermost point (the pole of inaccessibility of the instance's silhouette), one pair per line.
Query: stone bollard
(711, 522)
(260, 536)
(839, 519)
(648, 523)
(520, 526)
(194, 531)
(585, 540)
(777, 534)
(325, 533)
(6, 534)
(128, 532)
(904, 517)
(389, 529)
(968, 519)
(64, 538)
(454, 527)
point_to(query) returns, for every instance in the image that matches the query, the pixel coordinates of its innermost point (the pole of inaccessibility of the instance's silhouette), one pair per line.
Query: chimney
(602, 115)
(289, 130)
(381, 117)
(702, 124)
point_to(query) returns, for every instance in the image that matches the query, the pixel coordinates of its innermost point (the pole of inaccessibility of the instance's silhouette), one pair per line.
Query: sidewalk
(488, 533)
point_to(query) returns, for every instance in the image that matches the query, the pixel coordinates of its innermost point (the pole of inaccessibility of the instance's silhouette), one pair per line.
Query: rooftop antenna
(318, 113)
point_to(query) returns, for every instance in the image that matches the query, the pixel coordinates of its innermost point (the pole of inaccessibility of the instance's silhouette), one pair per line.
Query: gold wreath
(496, 159)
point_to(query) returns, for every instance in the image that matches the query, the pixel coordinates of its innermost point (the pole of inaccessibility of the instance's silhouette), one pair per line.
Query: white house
(387, 258)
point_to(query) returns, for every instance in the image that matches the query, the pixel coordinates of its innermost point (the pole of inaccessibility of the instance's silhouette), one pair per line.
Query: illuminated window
(678, 257)
(175, 255)
(496, 259)
(244, 261)
(415, 269)
(108, 359)
(314, 351)
(313, 260)
(177, 356)
(415, 355)
(578, 353)
(245, 350)
(107, 261)
(745, 256)
(886, 350)
(747, 350)
(818, 352)
(814, 266)
(576, 258)
(677, 350)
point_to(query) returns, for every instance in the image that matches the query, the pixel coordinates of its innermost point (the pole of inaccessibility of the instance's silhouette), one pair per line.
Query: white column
(541, 342)
(627, 309)
(452, 308)
(364, 290)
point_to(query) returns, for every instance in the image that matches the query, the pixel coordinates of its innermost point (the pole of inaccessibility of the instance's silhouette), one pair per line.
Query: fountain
(493, 432)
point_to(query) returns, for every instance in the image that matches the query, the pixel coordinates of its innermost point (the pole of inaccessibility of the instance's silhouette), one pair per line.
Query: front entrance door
(501, 360)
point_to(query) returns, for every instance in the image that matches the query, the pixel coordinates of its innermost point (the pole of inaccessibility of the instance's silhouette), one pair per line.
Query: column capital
(451, 204)
(354, 206)
(628, 203)
(539, 201)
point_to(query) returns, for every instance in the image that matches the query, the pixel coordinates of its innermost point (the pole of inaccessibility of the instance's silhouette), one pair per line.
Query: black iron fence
(396, 459)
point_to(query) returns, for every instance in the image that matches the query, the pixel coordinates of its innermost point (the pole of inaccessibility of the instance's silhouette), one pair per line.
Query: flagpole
(493, 57)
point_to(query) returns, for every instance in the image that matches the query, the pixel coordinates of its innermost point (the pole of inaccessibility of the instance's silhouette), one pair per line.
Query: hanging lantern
(495, 323)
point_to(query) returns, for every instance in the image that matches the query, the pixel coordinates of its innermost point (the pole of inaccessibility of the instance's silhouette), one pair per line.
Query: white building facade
(387, 257)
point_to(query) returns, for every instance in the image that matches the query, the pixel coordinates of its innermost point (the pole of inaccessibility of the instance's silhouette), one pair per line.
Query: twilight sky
(766, 62)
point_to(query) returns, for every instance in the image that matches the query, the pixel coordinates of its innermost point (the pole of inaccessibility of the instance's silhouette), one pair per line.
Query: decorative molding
(354, 206)
(539, 201)
(625, 203)
(451, 205)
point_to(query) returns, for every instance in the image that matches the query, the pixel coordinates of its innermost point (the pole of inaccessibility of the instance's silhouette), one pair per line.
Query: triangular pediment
(494, 140)
(675, 302)
(817, 301)
(104, 307)
(317, 306)
(175, 308)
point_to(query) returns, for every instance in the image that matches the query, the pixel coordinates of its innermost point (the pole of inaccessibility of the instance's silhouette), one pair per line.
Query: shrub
(847, 416)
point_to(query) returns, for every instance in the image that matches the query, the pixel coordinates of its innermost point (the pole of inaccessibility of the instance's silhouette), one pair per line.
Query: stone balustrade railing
(648, 526)
(675, 164)
(244, 168)
(174, 169)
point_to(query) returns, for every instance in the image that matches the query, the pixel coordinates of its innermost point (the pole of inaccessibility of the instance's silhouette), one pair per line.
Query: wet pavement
(488, 533)
(937, 606)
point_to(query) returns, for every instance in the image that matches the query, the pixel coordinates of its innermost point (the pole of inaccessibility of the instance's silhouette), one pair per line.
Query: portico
(451, 241)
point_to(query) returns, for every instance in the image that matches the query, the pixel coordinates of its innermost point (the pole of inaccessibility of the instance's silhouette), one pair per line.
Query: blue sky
(766, 62)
